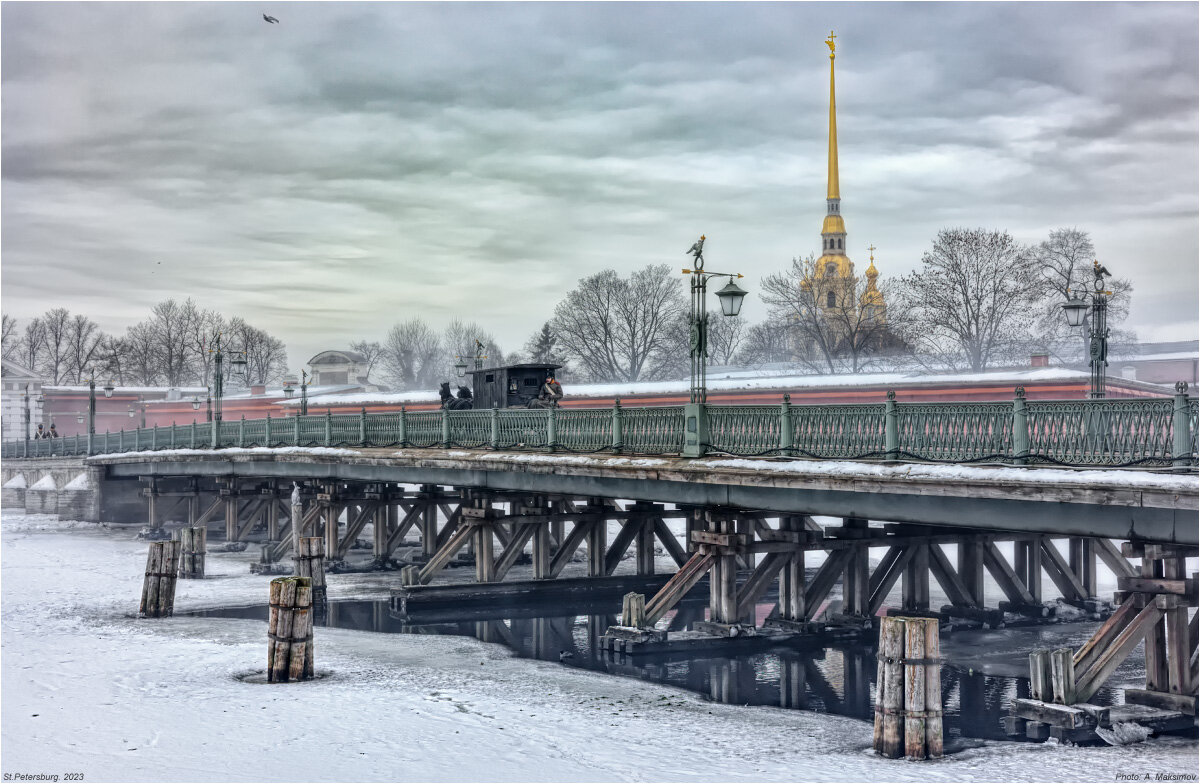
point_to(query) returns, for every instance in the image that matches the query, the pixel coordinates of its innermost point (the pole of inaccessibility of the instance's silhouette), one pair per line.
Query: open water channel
(983, 669)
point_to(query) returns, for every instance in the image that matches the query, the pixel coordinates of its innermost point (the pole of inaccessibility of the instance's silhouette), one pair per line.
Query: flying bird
(270, 19)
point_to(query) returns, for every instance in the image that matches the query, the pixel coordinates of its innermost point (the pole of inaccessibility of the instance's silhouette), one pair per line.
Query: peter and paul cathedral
(833, 281)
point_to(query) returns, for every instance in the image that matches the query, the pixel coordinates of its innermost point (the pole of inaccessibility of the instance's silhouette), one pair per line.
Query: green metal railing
(1145, 433)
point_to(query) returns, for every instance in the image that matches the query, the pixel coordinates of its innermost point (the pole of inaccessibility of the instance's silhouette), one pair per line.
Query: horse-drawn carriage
(511, 386)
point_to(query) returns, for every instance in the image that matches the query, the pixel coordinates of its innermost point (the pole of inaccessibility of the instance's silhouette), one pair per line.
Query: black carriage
(511, 386)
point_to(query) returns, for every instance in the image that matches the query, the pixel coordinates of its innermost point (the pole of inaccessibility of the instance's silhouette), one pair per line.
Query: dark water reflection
(984, 669)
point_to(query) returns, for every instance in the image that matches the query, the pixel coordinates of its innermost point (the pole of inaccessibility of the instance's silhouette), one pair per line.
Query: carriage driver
(551, 391)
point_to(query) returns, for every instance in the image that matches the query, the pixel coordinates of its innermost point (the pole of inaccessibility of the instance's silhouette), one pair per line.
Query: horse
(451, 403)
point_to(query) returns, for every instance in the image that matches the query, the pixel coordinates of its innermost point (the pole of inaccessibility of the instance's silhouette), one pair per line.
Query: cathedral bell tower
(833, 261)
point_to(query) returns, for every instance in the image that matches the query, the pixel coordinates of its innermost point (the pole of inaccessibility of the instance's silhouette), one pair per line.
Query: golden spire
(872, 273)
(833, 158)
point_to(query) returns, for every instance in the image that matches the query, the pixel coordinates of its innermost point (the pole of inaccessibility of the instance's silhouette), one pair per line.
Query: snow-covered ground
(90, 689)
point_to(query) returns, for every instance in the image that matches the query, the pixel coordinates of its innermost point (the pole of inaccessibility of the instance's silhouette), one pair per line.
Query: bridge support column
(1082, 552)
(480, 517)
(915, 580)
(856, 593)
(272, 514)
(722, 602)
(229, 496)
(644, 541)
(1023, 558)
(792, 577)
(382, 525)
(331, 510)
(152, 510)
(597, 546)
(970, 568)
(427, 500)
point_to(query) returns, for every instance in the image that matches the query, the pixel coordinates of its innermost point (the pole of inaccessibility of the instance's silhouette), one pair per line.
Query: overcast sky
(361, 163)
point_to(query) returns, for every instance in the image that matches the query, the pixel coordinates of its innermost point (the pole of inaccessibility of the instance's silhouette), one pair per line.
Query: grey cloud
(384, 159)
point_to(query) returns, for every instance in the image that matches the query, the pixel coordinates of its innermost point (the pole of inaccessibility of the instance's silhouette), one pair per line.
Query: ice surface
(87, 687)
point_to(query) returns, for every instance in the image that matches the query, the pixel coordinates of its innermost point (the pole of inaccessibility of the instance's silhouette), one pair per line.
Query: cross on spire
(830, 42)
(872, 249)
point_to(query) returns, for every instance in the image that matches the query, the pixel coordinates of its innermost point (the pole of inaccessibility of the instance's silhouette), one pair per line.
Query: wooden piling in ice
(908, 702)
(310, 563)
(633, 610)
(158, 588)
(289, 630)
(193, 546)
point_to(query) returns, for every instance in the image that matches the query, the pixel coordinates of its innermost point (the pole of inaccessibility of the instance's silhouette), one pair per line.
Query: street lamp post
(25, 402)
(141, 408)
(218, 388)
(303, 392)
(1076, 309)
(695, 438)
(461, 365)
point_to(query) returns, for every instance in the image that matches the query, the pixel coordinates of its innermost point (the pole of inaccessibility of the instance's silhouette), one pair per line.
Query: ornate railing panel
(470, 428)
(584, 429)
(657, 431)
(383, 429)
(254, 432)
(955, 431)
(838, 431)
(1149, 432)
(744, 430)
(1193, 424)
(522, 428)
(1101, 432)
(424, 428)
(344, 430)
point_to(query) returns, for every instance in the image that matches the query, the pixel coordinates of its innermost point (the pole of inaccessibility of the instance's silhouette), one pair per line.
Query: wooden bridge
(485, 487)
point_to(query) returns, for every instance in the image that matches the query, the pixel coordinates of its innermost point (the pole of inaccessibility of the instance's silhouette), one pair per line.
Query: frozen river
(90, 689)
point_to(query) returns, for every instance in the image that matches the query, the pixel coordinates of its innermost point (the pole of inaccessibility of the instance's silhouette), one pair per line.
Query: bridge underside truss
(749, 557)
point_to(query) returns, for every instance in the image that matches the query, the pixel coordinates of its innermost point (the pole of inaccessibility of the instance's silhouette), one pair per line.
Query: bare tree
(140, 364)
(56, 359)
(111, 359)
(1065, 263)
(33, 344)
(458, 340)
(624, 330)
(372, 352)
(83, 340)
(202, 328)
(266, 356)
(765, 344)
(833, 320)
(11, 339)
(725, 337)
(974, 300)
(412, 355)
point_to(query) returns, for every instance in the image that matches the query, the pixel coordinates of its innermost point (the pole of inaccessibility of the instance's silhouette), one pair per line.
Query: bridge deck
(1117, 504)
